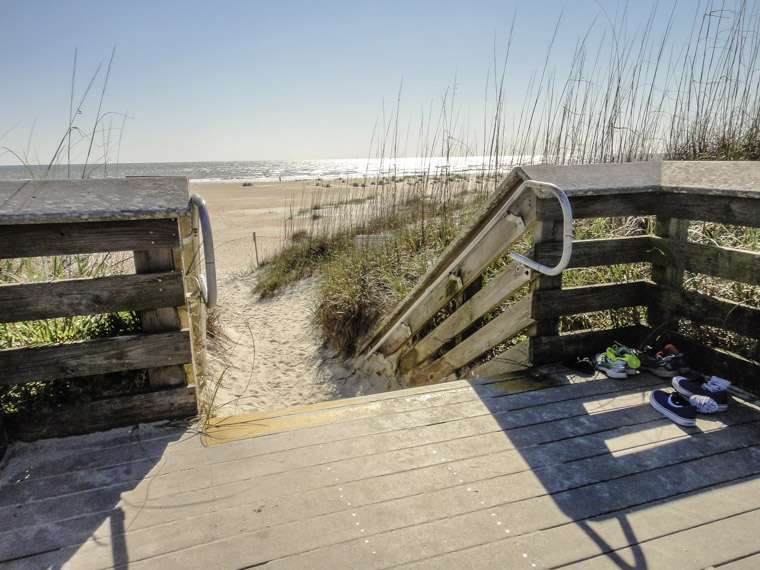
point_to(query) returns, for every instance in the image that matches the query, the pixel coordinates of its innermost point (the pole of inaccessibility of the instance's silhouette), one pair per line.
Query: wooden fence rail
(145, 216)
(512, 319)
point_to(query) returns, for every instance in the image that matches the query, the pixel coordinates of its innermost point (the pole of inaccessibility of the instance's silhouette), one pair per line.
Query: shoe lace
(704, 404)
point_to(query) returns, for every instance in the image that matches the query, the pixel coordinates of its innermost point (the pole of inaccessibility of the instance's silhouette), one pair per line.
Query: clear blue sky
(277, 79)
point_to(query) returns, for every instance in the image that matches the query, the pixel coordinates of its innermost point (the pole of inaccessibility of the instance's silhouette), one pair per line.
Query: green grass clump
(359, 283)
(45, 396)
(299, 260)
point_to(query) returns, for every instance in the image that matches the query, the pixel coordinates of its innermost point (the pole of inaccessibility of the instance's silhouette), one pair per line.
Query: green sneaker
(621, 352)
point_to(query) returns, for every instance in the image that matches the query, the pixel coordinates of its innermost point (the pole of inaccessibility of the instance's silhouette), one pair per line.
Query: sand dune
(269, 356)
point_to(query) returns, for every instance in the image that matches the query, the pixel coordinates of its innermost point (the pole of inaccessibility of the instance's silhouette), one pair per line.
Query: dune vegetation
(620, 101)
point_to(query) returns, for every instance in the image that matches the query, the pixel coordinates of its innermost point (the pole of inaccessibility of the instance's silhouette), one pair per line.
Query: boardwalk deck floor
(525, 472)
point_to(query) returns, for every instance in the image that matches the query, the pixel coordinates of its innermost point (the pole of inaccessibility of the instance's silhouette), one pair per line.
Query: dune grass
(621, 101)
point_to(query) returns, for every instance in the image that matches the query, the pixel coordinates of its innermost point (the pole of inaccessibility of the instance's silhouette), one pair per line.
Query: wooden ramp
(528, 471)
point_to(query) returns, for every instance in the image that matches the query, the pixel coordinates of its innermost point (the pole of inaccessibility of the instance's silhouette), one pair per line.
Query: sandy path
(269, 357)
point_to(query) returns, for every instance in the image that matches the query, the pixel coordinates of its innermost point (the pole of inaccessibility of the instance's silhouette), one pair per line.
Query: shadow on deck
(535, 470)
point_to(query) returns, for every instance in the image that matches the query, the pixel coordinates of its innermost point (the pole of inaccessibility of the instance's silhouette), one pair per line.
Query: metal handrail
(545, 188)
(207, 282)
(548, 189)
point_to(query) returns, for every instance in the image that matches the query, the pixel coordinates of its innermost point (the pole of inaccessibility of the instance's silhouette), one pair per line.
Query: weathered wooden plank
(87, 237)
(590, 253)
(99, 356)
(495, 292)
(575, 300)
(490, 247)
(242, 460)
(733, 210)
(727, 263)
(605, 206)
(705, 310)
(97, 295)
(508, 227)
(367, 479)
(93, 199)
(164, 319)
(656, 524)
(736, 367)
(558, 348)
(283, 451)
(509, 323)
(547, 231)
(672, 231)
(479, 221)
(424, 477)
(526, 502)
(167, 404)
(511, 360)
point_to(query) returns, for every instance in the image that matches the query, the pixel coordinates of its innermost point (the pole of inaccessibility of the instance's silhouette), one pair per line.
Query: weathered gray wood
(705, 310)
(73, 297)
(507, 361)
(501, 329)
(479, 221)
(563, 479)
(561, 302)
(605, 206)
(99, 356)
(673, 232)
(86, 237)
(93, 199)
(504, 285)
(722, 209)
(557, 348)
(163, 319)
(727, 263)
(195, 309)
(167, 404)
(591, 253)
(742, 369)
(547, 231)
(489, 247)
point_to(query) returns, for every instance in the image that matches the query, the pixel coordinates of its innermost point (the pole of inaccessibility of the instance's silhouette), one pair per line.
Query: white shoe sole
(666, 412)
(684, 392)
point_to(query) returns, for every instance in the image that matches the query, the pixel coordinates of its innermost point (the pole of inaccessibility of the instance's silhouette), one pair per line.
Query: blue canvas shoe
(715, 388)
(674, 406)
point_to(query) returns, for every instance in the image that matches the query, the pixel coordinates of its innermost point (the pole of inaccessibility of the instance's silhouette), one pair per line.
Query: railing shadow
(55, 495)
(604, 454)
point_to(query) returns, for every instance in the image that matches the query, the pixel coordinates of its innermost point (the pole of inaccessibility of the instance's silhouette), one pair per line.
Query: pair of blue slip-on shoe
(691, 398)
(715, 389)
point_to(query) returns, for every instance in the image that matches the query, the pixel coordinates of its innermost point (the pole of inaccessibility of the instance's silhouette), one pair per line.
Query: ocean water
(265, 170)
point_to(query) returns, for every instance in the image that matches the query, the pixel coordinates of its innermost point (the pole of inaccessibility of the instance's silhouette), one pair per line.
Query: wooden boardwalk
(520, 473)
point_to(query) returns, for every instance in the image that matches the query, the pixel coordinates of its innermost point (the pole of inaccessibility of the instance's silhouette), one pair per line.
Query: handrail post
(674, 231)
(547, 231)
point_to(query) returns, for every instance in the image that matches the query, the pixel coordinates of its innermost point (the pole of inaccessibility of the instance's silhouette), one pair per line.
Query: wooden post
(256, 249)
(670, 275)
(467, 294)
(192, 264)
(547, 231)
(160, 320)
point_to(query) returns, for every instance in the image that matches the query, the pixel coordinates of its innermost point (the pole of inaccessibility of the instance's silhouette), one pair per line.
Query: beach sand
(268, 357)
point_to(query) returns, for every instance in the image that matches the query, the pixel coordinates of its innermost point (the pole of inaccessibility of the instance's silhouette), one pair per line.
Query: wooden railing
(467, 318)
(146, 216)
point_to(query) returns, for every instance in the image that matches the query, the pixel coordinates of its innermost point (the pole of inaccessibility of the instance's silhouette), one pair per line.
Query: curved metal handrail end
(547, 188)
(207, 282)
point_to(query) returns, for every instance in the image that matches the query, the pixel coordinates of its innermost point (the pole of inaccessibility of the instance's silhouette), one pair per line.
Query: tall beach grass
(626, 98)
